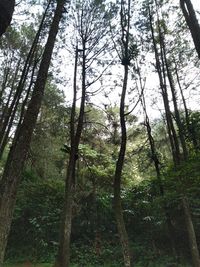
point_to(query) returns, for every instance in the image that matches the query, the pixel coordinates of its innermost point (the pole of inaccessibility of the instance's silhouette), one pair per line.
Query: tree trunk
(18, 152)
(191, 233)
(161, 75)
(10, 114)
(177, 161)
(5, 138)
(117, 178)
(192, 22)
(158, 174)
(5, 108)
(4, 83)
(63, 258)
(190, 129)
(177, 115)
(6, 12)
(125, 27)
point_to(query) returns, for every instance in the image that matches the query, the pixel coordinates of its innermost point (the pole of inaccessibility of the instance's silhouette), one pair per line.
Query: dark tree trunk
(162, 79)
(192, 22)
(191, 233)
(11, 112)
(176, 110)
(63, 258)
(125, 27)
(190, 129)
(156, 162)
(117, 178)
(5, 108)
(5, 138)
(177, 157)
(6, 12)
(4, 83)
(18, 152)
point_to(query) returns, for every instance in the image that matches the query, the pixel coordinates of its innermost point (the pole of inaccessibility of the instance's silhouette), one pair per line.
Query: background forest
(100, 133)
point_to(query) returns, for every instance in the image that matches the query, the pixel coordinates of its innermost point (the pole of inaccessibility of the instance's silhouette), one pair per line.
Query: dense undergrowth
(35, 229)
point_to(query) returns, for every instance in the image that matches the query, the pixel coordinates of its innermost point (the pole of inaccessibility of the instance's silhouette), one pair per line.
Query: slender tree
(18, 152)
(63, 257)
(125, 14)
(160, 67)
(91, 29)
(192, 22)
(156, 162)
(190, 131)
(9, 116)
(177, 159)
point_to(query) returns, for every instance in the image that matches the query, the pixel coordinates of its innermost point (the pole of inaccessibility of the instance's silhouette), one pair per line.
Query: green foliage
(95, 242)
(35, 229)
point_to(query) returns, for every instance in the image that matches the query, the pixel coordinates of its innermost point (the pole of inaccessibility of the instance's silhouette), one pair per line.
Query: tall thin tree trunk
(177, 158)
(161, 74)
(190, 129)
(4, 83)
(191, 233)
(192, 22)
(10, 115)
(18, 152)
(157, 169)
(5, 109)
(125, 27)
(117, 178)
(5, 138)
(63, 258)
(176, 110)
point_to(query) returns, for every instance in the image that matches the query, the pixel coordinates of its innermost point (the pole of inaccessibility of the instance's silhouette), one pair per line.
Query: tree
(164, 72)
(126, 56)
(90, 28)
(18, 152)
(6, 12)
(12, 105)
(192, 22)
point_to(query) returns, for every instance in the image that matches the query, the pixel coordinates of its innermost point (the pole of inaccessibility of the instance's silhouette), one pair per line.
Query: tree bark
(6, 12)
(177, 161)
(162, 79)
(157, 169)
(4, 83)
(176, 110)
(63, 258)
(121, 156)
(190, 129)
(192, 22)
(117, 179)
(191, 233)
(18, 152)
(7, 121)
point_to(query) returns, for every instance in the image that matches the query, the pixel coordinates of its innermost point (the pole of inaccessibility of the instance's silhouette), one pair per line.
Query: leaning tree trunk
(6, 12)
(192, 22)
(8, 118)
(18, 152)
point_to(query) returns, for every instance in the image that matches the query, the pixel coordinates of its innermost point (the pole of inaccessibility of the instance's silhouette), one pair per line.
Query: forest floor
(50, 265)
(27, 264)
